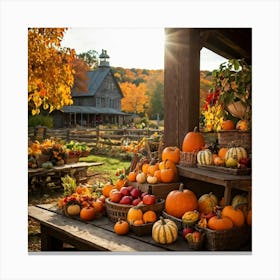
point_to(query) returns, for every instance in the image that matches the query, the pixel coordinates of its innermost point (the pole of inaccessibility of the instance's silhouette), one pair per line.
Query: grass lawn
(109, 166)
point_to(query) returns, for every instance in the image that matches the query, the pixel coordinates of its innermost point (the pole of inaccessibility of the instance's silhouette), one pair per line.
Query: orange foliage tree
(135, 97)
(50, 70)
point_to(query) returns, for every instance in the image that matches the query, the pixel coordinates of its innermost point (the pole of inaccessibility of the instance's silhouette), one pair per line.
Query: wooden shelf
(228, 181)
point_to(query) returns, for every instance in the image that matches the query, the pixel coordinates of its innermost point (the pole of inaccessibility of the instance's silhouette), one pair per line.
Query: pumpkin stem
(162, 220)
(181, 187)
(195, 129)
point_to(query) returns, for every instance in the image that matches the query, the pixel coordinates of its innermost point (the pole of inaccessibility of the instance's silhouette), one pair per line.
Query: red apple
(136, 201)
(149, 199)
(126, 200)
(143, 194)
(115, 196)
(187, 230)
(130, 188)
(124, 191)
(135, 192)
(102, 198)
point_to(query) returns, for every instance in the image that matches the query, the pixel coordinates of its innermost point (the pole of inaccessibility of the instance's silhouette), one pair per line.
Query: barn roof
(91, 110)
(95, 79)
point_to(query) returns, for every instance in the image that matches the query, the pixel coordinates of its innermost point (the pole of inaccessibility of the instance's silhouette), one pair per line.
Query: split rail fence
(93, 136)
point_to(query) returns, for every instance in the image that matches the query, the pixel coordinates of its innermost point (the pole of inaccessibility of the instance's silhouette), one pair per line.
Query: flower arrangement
(230, 95)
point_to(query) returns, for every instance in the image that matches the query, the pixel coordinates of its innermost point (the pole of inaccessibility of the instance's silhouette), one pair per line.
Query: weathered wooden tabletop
(97, 234)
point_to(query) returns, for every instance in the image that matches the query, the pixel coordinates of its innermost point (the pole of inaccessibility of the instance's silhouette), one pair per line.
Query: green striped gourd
(164, 231)
(236, 153)
(204, 157)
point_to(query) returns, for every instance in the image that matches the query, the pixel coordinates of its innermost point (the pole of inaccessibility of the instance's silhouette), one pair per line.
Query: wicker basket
(145, 229)
(188, 159)
(197, 245)
(117, 211)
(177, 221)
(42, 159)
(226, 240)
(71, 159)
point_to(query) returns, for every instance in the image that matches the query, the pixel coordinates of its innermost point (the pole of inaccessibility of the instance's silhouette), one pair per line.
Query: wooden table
(96, 235)
(228, 181)
(77, 170)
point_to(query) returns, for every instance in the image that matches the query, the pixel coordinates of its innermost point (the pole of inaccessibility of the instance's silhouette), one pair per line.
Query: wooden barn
(101, 104)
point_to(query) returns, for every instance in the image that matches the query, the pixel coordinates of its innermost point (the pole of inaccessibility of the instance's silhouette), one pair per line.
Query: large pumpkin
(164, 231)
(235, 214)
(236, 153)
(193, 141)
(180, 201)
(207, 203)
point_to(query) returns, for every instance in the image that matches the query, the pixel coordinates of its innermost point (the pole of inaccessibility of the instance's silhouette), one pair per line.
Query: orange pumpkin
(171, 153)
(228, 125)
(149, 216)
(121, 227)
(207, 203)
(98, 205)
(158, 175)
(235, 214)
(145, 167)
(193, 141)
(222, 152)
(220, 223)
(132, 176)
(133, 214)
(87, 213)
(138, 222)
(121, 182)
(167, 175)
(152, 169)
(180, 201)
(107, 188)
(242, 125)
(168, 164)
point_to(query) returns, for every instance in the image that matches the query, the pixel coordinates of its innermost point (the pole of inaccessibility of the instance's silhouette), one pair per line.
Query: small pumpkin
(168, 164)
(149, 216)
(141, 178)
(152, 169)
(121, 227)
(121, 182)
(107, 188)
(167, 175)
(207, 203)
(236, 153)
(171, 153)
(73, 209)
(152, 179)
(204, 157)
(235, 214)
(228, 125)
(218, 161)
(164, 231)
(132, 176)
(193, 141)
(87, 213)
(222, 152)
(220, 222)
(242, 125)
(179, 201)
(133, 214)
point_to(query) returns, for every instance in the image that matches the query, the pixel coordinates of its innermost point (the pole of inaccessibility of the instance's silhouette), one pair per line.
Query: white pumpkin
(236, 153)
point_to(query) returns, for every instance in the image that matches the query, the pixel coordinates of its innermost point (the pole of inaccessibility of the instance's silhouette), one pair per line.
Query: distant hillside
(154, 81)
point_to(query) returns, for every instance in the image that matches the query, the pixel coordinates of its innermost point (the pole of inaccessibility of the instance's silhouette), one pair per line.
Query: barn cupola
(104, 59)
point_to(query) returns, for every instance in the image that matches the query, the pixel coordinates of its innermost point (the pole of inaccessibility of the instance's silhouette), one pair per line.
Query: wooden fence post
(97, 134)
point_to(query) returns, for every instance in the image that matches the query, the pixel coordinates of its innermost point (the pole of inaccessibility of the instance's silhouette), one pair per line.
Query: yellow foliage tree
(50, 70)
(135, 97)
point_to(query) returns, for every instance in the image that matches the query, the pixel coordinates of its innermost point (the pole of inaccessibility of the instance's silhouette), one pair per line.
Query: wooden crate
(235, 137)
(160, 190)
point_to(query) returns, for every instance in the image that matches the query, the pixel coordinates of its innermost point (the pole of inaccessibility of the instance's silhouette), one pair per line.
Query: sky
(130, 47)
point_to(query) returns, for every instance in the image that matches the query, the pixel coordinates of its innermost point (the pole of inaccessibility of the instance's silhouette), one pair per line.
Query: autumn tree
(50, 70)
(135, 97)
(90, 57)
(156, 107)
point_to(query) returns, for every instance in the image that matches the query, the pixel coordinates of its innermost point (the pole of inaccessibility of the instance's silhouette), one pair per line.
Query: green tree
(156, 102)
(90, 57)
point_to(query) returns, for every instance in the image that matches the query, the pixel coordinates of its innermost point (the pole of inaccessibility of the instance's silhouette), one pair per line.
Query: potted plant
(233, 80)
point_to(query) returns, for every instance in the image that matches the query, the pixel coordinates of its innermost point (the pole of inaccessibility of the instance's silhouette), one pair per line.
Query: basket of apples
(120, 201)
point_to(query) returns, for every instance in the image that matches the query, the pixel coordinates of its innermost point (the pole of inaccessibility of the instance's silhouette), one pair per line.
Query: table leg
(49, 242)
(227, 195)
